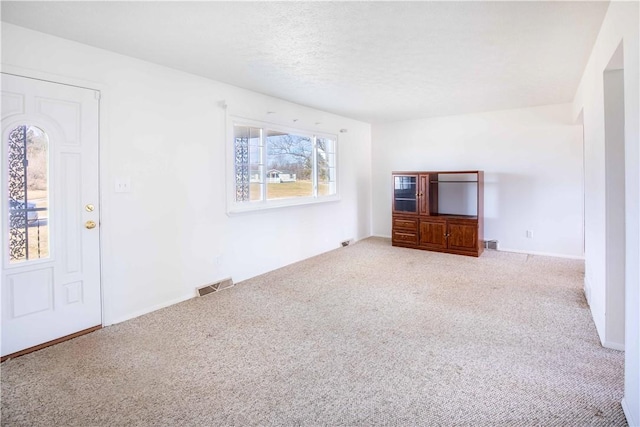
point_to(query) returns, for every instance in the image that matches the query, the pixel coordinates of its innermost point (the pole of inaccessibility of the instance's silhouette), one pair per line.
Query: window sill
(240, 208)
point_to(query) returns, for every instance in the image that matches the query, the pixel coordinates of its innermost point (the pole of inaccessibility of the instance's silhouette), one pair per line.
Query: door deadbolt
(89, 208)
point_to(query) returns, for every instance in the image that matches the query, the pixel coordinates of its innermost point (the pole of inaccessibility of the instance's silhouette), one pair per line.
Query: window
(326, 148)
(28, 182)
(275, 167)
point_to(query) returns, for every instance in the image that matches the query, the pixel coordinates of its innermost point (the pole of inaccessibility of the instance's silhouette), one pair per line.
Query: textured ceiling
(373, 61)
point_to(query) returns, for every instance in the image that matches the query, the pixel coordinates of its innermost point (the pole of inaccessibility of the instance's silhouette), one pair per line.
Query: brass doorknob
(90, 224)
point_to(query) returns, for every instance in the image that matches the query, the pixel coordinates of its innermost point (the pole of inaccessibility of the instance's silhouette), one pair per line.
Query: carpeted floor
(363, 335)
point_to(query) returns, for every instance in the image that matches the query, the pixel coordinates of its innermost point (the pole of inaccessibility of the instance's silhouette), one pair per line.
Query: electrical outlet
(529, 234)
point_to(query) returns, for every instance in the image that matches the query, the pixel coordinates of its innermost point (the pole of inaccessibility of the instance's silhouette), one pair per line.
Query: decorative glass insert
(248, 163)
(28, 181)
(290, 165)
(326, 159)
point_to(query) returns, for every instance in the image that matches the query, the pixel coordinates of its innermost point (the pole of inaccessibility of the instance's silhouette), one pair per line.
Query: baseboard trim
(587, 290)
(613, 345)
(551, 254)
(149, 309)
(381, 235)
(517, 251)
(633, 422)
(50, 343)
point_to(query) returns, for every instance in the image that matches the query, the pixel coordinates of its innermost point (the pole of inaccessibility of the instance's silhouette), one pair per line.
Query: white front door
(50, 212)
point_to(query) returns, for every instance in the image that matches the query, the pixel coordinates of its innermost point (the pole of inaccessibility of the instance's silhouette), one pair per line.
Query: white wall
(532, 160)
(165, 130)
(620, 25)
(614, 206)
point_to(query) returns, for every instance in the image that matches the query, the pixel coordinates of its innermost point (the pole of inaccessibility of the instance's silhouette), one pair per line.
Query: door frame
(102, 138)
(615, 201)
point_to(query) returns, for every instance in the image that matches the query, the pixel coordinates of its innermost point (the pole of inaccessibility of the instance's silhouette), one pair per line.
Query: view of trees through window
(289, 161)
(273, 164)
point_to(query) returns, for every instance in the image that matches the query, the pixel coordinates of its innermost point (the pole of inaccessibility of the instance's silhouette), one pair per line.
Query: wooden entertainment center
(439, 211)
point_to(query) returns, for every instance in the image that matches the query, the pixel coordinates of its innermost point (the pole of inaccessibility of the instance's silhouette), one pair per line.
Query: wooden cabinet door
(433, 233)
(463, 236)
(423, 194)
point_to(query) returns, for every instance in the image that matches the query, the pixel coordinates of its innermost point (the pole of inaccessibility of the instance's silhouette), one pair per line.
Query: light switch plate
(123, 185)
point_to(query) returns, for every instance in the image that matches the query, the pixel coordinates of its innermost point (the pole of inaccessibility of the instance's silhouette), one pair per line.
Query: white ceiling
(373, 61)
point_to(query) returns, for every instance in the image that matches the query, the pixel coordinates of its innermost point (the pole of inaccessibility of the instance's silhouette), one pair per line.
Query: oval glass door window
(28, 182)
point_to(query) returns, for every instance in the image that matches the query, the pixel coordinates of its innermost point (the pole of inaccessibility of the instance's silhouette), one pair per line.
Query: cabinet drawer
(405, 224)
(405, 237)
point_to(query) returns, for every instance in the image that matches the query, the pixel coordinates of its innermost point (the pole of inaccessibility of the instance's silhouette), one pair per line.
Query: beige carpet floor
(361, 336)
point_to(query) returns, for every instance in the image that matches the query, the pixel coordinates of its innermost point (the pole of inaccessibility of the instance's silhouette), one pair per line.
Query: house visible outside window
(278, 167)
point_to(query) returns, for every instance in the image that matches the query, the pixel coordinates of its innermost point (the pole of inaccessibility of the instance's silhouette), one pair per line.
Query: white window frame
(234, 206)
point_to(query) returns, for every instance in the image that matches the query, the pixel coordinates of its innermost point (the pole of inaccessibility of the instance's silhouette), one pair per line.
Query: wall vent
(215, 287)
(491, 244)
